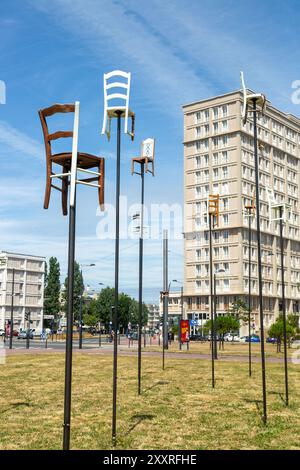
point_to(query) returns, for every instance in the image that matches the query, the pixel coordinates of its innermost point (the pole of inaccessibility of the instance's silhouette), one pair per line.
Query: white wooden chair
(259, 98)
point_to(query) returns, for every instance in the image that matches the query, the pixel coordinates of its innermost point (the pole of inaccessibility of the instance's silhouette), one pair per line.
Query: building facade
(153, 316)
(28, 273)
(219, 159)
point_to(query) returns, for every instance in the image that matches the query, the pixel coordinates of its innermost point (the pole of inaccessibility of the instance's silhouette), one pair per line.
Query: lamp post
(255, 100)
(27, 318)
(100, 284)
(81, 300)
(12, 310)
(218, 271)
(181, 315)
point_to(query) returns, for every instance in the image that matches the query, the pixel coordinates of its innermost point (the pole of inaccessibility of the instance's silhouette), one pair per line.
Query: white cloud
(19, 142)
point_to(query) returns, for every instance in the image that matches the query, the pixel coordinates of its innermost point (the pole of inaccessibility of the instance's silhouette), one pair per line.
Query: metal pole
(12, 310)
(284, 309)
(249, 298)
(80, 319)
(117, 248)
(69, 339)
(261, 311)
(179, 325)
(211, 304)
(141, 247)
(28, 332)
(165, 296)
(215, 317)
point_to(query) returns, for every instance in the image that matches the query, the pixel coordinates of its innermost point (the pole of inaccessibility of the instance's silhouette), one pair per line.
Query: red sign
(184, 331)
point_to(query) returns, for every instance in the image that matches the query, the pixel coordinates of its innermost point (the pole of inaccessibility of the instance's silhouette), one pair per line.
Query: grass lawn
(177, 410)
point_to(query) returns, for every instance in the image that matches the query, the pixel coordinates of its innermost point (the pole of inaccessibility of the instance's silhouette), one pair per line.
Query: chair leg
(64, 193)
(101, 179)
(48, 187)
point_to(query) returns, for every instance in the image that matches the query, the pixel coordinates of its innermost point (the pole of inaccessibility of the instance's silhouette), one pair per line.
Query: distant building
(153, 316)
(218, 159)
(28, 272)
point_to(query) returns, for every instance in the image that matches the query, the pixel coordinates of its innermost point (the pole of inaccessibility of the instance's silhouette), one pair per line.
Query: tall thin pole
(262, 335)
(284, 309)
(249, 296)
(80, 318)
(69, 340)
(179, 326)
(215, 317)
(12, 310)
(141, 247)
(211, 304)
(165, 296)
(117, 249)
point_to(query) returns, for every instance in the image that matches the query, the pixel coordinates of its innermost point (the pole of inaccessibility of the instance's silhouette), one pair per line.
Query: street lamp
(80, 309)
(100, 284)
(218, 271)
(181, 316)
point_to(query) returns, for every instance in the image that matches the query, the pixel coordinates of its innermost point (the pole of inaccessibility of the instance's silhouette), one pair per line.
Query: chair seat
(84, 160)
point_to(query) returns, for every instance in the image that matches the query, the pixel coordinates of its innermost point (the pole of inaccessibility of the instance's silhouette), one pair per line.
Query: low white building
(153, 316)
(24, 276)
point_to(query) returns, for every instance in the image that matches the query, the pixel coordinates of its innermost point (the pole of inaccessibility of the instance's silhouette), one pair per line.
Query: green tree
(276, 330)
(78, 290)
(52, 288)
(239, 309)
(90, 313)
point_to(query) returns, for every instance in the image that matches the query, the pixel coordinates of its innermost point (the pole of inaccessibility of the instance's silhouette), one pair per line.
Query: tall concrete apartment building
(29, 272)
(219, 159)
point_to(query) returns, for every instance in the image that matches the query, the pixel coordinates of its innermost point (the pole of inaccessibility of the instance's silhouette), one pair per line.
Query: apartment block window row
(220, 111)
(221, 141)
(202, 116)
(202, 145)
(220, 157)
(201, 161)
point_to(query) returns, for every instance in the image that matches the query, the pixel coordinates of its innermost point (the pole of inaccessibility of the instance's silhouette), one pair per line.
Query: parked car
(254, 339)
(2, 332)
(233, 338)
(244, 339)
(23, 334)
(271, 340)
(197, 337)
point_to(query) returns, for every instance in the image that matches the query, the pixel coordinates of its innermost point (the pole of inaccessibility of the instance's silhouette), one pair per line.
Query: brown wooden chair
(85, 161)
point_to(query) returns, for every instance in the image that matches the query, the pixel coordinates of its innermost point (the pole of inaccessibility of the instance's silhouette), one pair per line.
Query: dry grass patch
(177, 410)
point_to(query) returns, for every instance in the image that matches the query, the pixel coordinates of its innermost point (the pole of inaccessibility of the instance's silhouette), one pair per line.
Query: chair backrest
(109, 88)
(148, 146)
(44, 114)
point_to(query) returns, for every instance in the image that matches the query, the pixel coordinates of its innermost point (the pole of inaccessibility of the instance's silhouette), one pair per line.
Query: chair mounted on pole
(259, 98)
(71, 162)
(146, 158)
(121, 101)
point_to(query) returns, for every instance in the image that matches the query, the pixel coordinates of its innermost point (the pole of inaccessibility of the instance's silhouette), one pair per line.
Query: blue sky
(177, 51)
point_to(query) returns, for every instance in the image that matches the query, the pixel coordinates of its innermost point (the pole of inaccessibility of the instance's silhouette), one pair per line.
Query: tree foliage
(78, 291)
(52, 288)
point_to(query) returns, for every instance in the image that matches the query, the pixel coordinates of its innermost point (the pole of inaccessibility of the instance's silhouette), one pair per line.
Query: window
(225, 251)
(216, 112)
(224, 126)
(225, 203)
(224, 110)
(215, 173)
(225, 171)
(216, 127)
(225, 219)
